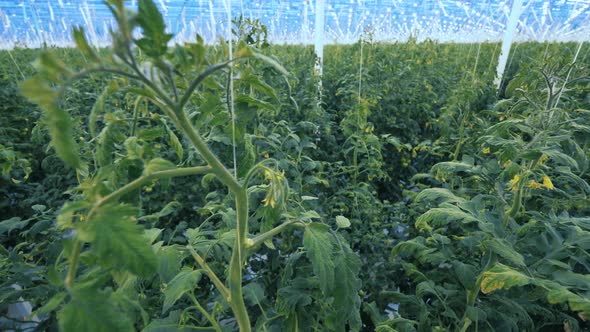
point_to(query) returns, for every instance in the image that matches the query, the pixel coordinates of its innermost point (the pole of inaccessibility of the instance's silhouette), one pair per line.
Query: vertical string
(231, 88)
(568, 73)
(360, 71)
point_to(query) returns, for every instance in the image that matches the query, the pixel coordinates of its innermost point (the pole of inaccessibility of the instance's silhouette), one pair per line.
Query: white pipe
(320, 22)
(507, 41)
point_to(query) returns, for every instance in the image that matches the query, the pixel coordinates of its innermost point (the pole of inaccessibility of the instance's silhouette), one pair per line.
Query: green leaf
(155, 40)
(93, 311)
(466, 273)
(9, 225)
(169, 263)
(66, 214)
(253, 293)
(442, 216)
(83, 46)
(342, 222)
(158, 164)
(175, 144)
(52, 304)
(270, 61)
(505, 250)
(347, 285)
(501, 276)
(185, 281)
(438, 195)
(318, 243)
(58, 121)
(118, 241)
(99, 106)
(295, 296)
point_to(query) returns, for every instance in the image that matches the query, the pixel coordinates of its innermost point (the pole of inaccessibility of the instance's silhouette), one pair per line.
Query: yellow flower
(534, 184)
(543, 159)
(547, 183)
(506, 163)
(514, 182)
(269, 200)
(486, 150)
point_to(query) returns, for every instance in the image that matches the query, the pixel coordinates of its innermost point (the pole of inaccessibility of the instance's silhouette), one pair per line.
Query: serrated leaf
(318, 243)
(501, 276)
(118, 241)
(93, 311)
(58, 121)
(158, 164)
(342, 222)
(155, 40)
(347, 301)
(64, 218)
(99, 106)
(175, 144)
(83, 45)
(183, 282)
(295, 296)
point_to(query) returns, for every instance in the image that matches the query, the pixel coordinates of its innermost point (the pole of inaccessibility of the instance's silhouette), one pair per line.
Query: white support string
(569, 73)
(231, 86)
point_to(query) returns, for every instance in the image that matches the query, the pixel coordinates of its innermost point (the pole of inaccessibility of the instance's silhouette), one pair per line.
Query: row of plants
(165, 188)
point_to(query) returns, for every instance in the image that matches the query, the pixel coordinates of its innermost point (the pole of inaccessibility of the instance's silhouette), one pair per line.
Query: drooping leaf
(175, 144)
(183, 282)
(158, 164)
(52, 304)
(318, 243)
(347, 285)
(99, 106)
(442, 216)
(501, 276)
(9, 225)
(438, 195)
(58, 121)
(93, 311)
(118, 241)
(505, 250)
(83, 45)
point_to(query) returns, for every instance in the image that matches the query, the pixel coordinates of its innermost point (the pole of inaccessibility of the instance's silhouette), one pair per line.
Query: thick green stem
(237, 259)
(217, 167)
(236, 299)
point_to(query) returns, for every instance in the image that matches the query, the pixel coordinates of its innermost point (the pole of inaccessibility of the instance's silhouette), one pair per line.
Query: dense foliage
(154, 187)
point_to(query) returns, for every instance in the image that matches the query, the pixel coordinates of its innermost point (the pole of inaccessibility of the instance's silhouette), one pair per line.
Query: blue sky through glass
(32, 22)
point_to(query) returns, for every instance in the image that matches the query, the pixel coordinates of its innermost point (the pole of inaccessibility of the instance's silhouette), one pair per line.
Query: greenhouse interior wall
(306, 165)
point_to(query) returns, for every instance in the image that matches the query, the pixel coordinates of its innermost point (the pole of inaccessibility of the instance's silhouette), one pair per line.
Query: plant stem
(205, 313)
(258, 240)
(236, 299)
(203, 264)
(237, 259)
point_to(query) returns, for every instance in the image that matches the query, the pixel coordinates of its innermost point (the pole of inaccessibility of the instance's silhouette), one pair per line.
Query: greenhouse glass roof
(34, 22)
